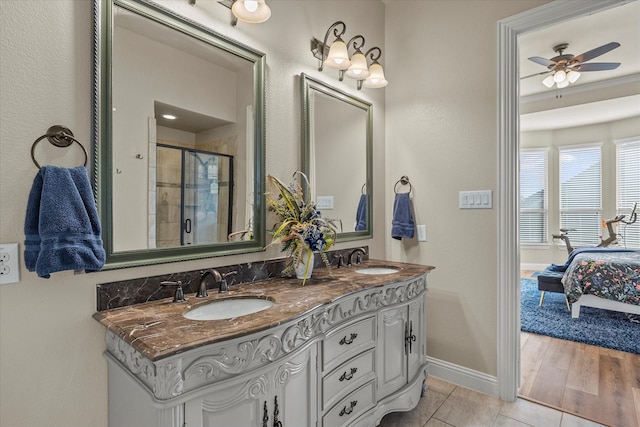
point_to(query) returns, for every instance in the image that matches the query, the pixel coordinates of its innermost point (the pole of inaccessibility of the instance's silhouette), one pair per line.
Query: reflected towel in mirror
(361, 213)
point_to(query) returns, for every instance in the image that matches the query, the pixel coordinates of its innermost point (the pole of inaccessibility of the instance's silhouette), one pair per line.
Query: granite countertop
(158, 329)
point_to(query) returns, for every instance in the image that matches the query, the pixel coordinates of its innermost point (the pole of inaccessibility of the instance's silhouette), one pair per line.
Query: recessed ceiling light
(169, 116)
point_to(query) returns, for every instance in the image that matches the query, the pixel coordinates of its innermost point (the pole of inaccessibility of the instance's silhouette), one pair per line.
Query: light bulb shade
(376, 77)
(338, 57)
(573, 76)
(563, 83)
(251, 11)
(358, 69)
(548, 81)
(559, 76)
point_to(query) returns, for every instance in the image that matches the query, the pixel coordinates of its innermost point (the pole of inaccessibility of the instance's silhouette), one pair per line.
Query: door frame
(554, 12)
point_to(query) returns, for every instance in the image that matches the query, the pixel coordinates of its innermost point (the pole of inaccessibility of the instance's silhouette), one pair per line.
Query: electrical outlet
(9, 263)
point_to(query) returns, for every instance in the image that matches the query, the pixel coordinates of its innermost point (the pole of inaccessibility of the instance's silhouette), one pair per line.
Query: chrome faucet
(204, 279)
(359, 253)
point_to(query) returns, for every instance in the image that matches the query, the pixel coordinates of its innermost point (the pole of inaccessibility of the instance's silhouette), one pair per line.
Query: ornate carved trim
(169, 381)
(226, 362)
(252, 389)
(335, 313)
(135, 362)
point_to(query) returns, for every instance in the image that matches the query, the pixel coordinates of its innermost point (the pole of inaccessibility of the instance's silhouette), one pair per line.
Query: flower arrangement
(300, 228)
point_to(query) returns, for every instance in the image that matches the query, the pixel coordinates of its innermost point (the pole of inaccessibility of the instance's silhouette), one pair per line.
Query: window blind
(533, 196)
(628, 190)
(581, 193)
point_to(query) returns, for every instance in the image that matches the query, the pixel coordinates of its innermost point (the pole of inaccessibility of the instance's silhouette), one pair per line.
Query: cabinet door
(416, 338)
(391, 367)
(296, 390)
(239, 405)
(286, 393)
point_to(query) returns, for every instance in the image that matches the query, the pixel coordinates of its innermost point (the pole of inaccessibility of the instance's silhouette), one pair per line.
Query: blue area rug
(603, 328)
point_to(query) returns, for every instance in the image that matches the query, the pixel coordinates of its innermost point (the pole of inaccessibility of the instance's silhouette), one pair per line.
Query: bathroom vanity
(343, 350)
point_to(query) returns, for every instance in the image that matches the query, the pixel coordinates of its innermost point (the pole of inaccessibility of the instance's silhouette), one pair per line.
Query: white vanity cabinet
(345, 363)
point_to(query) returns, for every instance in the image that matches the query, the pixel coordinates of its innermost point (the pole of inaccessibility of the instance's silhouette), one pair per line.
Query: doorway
(508, 142)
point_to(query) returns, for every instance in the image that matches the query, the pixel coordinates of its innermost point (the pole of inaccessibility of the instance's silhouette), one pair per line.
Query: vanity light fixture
(251, 11)
(169, 116)
(336, 56)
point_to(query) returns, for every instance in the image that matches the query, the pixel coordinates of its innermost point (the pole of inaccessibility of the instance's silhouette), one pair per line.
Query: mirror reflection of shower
(193, 179)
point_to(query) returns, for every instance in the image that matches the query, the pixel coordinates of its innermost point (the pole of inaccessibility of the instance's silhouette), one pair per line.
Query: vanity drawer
(347, 376)
(350, 407)
(349, 339)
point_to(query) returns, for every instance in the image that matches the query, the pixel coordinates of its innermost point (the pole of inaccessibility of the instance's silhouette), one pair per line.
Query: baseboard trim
(537, 267)
(464, 377)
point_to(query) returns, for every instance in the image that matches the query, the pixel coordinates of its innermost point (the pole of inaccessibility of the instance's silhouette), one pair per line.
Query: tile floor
(448, 405)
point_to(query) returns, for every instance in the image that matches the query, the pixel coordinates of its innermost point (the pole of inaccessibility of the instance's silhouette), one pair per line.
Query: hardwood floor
(600, 384)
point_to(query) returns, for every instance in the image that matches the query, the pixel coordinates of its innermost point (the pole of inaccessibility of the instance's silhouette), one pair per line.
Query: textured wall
(442, 132)
(52, 372)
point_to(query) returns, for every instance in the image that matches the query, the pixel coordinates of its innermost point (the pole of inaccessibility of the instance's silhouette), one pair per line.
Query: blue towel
(402, 225)
(361, 214)
(563, 267)
(62, 229)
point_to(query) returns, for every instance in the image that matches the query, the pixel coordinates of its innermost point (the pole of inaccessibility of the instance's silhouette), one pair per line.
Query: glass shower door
(194, 197)
(200, 207)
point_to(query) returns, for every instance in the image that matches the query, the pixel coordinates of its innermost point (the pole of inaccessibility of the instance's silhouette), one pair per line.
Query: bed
(609, 280)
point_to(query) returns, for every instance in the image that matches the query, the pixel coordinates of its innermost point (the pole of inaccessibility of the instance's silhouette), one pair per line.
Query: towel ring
(363, 187)
(404, 180)
(60, 136)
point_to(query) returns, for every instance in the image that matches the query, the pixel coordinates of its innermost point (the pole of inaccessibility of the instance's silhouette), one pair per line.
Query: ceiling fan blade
(599, 66)
(542, 61)
(536, 74)
(594, 53)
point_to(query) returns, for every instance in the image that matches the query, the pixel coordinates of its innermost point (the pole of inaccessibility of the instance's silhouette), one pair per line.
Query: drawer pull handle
(346, 411)
(348, 376)
(346, 341)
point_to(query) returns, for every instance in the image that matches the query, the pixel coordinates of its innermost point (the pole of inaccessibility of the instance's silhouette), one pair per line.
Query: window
(628, 189)
(581, 193)
(533, 196)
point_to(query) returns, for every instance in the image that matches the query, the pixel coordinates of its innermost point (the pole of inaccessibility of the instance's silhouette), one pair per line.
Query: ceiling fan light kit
(566, 68)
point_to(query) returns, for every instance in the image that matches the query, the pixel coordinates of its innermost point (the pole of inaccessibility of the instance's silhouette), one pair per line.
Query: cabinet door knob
(347, 341)
(348, 376)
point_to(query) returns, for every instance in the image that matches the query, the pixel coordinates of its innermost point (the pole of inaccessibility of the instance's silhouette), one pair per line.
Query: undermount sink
(228, 308)
(378, 270)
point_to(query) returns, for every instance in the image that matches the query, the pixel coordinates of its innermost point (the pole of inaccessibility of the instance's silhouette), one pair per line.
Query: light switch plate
(482, 199)
(324, 202)
(9, 263)
(422, 233)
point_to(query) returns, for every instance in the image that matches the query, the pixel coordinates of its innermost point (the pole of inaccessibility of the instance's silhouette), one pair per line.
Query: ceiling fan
(565, 68)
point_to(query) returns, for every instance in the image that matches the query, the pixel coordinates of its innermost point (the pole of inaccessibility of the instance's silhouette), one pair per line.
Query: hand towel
(361, 213)
(402, 225)
(62, 228)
